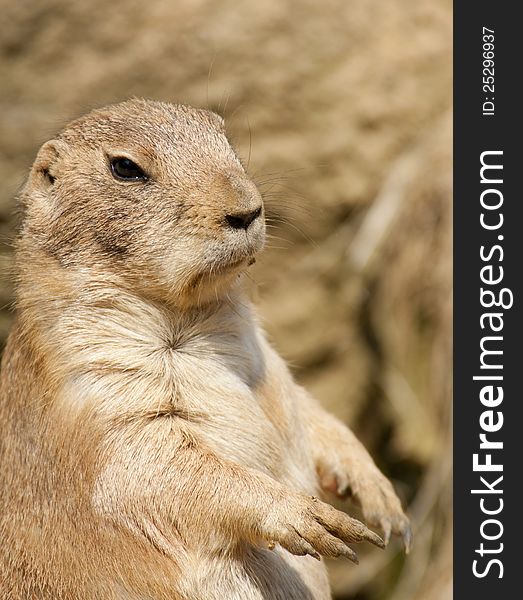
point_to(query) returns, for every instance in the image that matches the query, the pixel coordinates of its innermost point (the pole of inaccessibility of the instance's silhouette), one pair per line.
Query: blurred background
(341, 109)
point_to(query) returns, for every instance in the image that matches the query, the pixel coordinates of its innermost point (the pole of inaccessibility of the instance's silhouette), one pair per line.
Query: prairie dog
(153, 445)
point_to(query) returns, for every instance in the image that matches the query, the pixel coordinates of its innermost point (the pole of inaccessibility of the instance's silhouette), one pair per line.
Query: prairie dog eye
(126, 169)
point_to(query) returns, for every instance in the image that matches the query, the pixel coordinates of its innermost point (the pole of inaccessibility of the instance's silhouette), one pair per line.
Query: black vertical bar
(475, 133)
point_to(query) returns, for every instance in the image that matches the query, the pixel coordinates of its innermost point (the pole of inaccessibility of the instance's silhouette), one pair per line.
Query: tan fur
(153, 445)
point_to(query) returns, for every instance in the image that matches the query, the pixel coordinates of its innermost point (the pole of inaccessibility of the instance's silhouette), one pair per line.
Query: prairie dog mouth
(222, 269)
(246, 261)
(233, 264)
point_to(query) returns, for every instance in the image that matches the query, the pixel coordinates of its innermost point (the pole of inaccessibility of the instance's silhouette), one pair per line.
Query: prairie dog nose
(243, 204)
(242, 220)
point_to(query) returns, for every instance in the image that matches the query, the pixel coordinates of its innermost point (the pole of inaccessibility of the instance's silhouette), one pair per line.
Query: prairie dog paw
(376, 496)
(305, 525)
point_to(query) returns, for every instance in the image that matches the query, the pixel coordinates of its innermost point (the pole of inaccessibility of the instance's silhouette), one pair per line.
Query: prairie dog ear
(45, 168)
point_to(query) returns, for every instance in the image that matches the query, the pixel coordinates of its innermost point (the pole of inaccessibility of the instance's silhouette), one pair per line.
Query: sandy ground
(342, 110)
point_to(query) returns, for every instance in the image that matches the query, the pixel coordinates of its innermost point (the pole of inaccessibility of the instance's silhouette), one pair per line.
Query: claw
(343, 488)
(374, 538)
(387, 529)
(351, 555)
(407, 539)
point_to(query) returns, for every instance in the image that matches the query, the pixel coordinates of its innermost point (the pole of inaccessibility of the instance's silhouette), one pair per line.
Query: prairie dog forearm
(163, 471)
(331, 438)
(176, 489)
(345, 467)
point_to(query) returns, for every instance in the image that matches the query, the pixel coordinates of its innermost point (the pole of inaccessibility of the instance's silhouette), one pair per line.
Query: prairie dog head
(150, 195)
